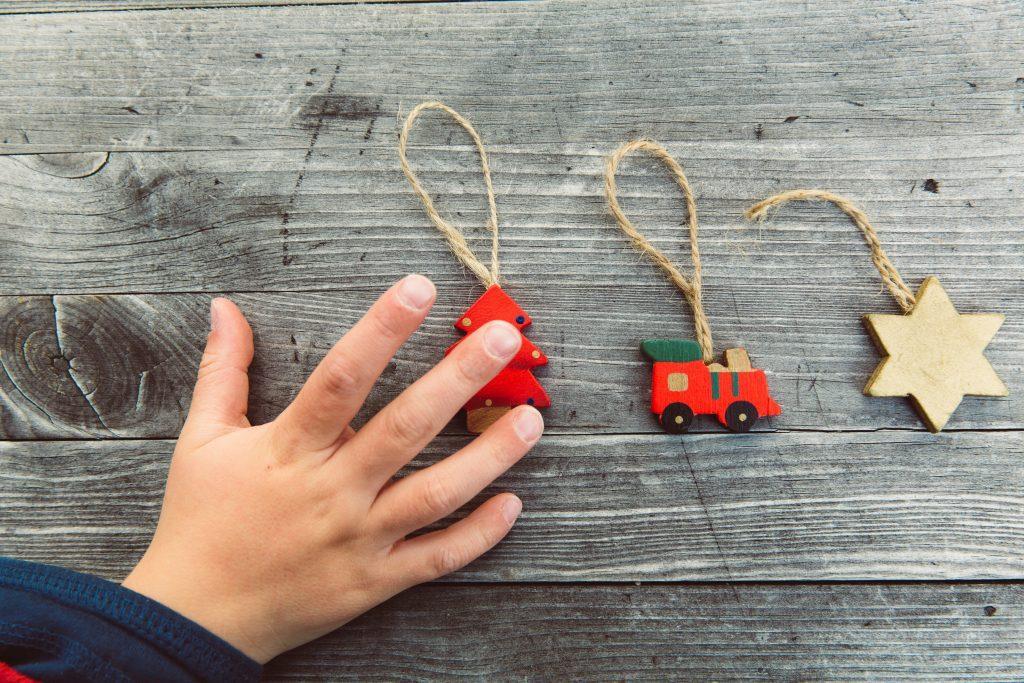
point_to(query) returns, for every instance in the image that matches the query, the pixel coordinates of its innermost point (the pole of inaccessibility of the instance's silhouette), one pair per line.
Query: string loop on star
(903, 295)
(456, 240)
(690, 287)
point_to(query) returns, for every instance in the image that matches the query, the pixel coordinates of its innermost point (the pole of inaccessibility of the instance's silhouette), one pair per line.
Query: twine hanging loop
(890, 276)
(690, 287)
(456, 240)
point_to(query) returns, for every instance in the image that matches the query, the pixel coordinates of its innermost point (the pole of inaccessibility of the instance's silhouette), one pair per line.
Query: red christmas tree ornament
(515, 385)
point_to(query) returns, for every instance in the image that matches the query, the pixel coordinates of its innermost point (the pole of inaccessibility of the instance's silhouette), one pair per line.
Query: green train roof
(672, 350)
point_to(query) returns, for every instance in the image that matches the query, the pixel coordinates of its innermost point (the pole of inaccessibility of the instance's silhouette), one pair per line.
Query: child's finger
(221, 396)
(399, 431)
(338, 386)
(438, 553)
(437, 491)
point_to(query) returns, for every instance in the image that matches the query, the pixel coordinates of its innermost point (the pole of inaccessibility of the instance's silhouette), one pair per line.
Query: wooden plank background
(792, 506)
(152, 159)
(700, 632)
(27, 6)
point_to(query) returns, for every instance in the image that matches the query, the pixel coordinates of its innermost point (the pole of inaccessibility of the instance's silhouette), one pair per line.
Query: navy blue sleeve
(59, 625)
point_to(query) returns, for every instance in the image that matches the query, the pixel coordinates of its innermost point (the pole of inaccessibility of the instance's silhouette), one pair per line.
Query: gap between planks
(157, 6)
(557, 432)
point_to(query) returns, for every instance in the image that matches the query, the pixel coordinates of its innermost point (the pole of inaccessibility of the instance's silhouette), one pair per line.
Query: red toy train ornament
(683, 386)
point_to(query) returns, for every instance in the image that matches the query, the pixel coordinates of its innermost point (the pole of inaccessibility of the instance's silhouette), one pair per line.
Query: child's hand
(273, 535)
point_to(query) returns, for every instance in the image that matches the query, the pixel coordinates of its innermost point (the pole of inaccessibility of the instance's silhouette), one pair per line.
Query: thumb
(221, 396)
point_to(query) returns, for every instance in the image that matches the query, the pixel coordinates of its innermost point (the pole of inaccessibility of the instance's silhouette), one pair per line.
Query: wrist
(193, 598)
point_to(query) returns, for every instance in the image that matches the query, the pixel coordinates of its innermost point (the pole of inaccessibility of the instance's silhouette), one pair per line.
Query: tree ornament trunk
(479, 419)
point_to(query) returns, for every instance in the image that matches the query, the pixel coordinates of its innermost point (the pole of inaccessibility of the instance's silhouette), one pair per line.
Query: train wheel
(740, 416)
(676, 418)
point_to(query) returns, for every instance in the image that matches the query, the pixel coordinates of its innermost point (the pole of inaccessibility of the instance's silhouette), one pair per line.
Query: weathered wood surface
(678, 632)
(166, 156)
(331, 211)
(884, 505)
(273, 220)
(564, 74)
(28, 6)
(123, 365)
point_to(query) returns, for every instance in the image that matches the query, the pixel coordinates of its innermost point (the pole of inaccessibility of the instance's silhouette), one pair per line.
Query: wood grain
(40, 6)
(125, 364)
(96, 367)
(273, 220)
(561, 73)
(779, 632)
(880, 505)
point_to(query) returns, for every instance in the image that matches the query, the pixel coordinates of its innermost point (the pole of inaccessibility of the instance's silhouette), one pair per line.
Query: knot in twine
(456, 241)
(691, 288)
(890, 276)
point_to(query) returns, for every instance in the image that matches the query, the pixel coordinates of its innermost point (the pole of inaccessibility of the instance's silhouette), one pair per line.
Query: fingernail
(416, 292)
(215, 316)
(501, 340)
(528, 424)
(510, 509)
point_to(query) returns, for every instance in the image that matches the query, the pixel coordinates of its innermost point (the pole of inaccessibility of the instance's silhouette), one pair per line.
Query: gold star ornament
(934, 355)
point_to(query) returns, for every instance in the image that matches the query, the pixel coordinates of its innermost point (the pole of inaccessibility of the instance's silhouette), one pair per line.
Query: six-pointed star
(934, 355)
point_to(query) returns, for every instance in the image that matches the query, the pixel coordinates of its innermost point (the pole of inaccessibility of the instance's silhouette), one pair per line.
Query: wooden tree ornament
(685, 380)
(932, 354)
(515, 385)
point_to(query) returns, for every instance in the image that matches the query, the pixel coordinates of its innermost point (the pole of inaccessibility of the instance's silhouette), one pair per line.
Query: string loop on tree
(890, 276)
(690, 287)
(456, 240)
